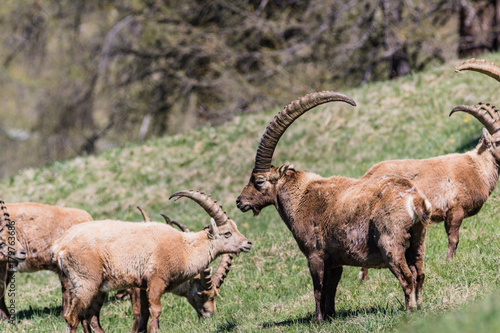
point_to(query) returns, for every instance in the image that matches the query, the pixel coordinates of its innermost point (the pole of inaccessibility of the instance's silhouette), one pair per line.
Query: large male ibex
(457, 185)
(341, 221)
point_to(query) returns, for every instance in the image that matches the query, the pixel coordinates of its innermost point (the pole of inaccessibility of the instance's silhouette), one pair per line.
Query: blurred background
(81, 76)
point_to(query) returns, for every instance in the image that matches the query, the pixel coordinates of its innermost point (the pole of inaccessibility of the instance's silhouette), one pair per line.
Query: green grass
(270, 287)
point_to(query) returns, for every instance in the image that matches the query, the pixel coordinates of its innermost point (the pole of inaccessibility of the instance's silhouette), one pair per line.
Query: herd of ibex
(376, 221)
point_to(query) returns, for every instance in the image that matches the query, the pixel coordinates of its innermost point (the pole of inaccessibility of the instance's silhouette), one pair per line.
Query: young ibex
(12, 254)
(37, 226)
(341, 221)
(457, 185)
(96, 257)
(201, 291)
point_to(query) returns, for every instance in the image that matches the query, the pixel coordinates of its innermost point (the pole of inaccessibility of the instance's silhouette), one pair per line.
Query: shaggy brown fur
(341, 221)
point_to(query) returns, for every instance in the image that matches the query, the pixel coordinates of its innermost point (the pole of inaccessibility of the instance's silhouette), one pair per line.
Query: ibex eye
(260, 181)
(227, 234)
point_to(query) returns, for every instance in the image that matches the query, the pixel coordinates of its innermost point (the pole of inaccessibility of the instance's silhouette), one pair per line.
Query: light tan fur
(100, 256)
(37, 226)
(201, 291)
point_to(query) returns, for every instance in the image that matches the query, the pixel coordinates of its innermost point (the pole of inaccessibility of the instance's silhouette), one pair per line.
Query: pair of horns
(487, 114)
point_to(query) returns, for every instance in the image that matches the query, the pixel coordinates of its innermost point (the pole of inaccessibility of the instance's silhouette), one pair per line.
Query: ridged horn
(204, 200)
(487, 114)
(285, 118)
(206, 278)
(222, 269)
(5, 220)
(145, 216)
(481, 66)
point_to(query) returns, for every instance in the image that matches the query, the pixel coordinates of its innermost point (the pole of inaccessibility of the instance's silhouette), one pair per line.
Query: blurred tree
(478, 27)
(92, 74)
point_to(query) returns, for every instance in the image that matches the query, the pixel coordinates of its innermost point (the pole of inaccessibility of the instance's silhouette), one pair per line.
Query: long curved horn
(285, 118)
(145, 216)
(222, 269)
(487, 114)
(481, 66)
(204, 200)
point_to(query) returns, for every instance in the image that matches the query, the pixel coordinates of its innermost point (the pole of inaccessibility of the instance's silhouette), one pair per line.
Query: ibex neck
(200, 251)
(488, 168)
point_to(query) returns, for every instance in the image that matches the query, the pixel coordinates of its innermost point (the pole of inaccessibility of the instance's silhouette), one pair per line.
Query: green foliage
(270, 288)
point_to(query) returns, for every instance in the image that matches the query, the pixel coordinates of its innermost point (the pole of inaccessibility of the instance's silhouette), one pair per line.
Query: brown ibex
(340, 221)
(457, 185)
(96, 257)
(37, 226)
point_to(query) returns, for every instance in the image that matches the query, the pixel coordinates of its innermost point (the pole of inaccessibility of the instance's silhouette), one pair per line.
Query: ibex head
(11, 249)
(221, 228)
(261, 190)
(204, 288)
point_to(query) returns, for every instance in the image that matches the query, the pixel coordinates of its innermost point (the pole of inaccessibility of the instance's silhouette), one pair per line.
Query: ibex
(12, 254)
(457, 185)
(37, 226)
(341, 221)
(96, 257)
(201, 291)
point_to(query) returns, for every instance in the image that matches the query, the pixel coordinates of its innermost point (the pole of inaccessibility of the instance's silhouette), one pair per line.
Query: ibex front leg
(317, 270)
(452, 223)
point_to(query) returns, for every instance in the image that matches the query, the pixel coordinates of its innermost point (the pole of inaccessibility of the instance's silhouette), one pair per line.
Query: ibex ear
(486, 137)
(284, 168)
(212, 229)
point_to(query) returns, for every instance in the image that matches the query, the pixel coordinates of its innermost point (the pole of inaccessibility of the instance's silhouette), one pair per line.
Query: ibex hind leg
(93, 313)
(396, 262)
(140, 309)
(415, 259)
(363, 274)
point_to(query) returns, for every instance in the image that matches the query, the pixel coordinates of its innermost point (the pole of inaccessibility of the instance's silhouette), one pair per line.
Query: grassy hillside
(270, 287)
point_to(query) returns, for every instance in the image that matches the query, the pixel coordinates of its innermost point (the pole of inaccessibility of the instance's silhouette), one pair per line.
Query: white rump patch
(410, 208)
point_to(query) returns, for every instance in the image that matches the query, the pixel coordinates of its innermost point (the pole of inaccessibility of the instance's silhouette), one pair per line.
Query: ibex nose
(22, 255)
(238, 200)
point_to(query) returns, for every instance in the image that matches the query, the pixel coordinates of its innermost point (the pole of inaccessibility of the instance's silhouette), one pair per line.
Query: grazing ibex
(201, 291)
(96, 257)
(341, 221)
(457, 185)
(37, 226)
